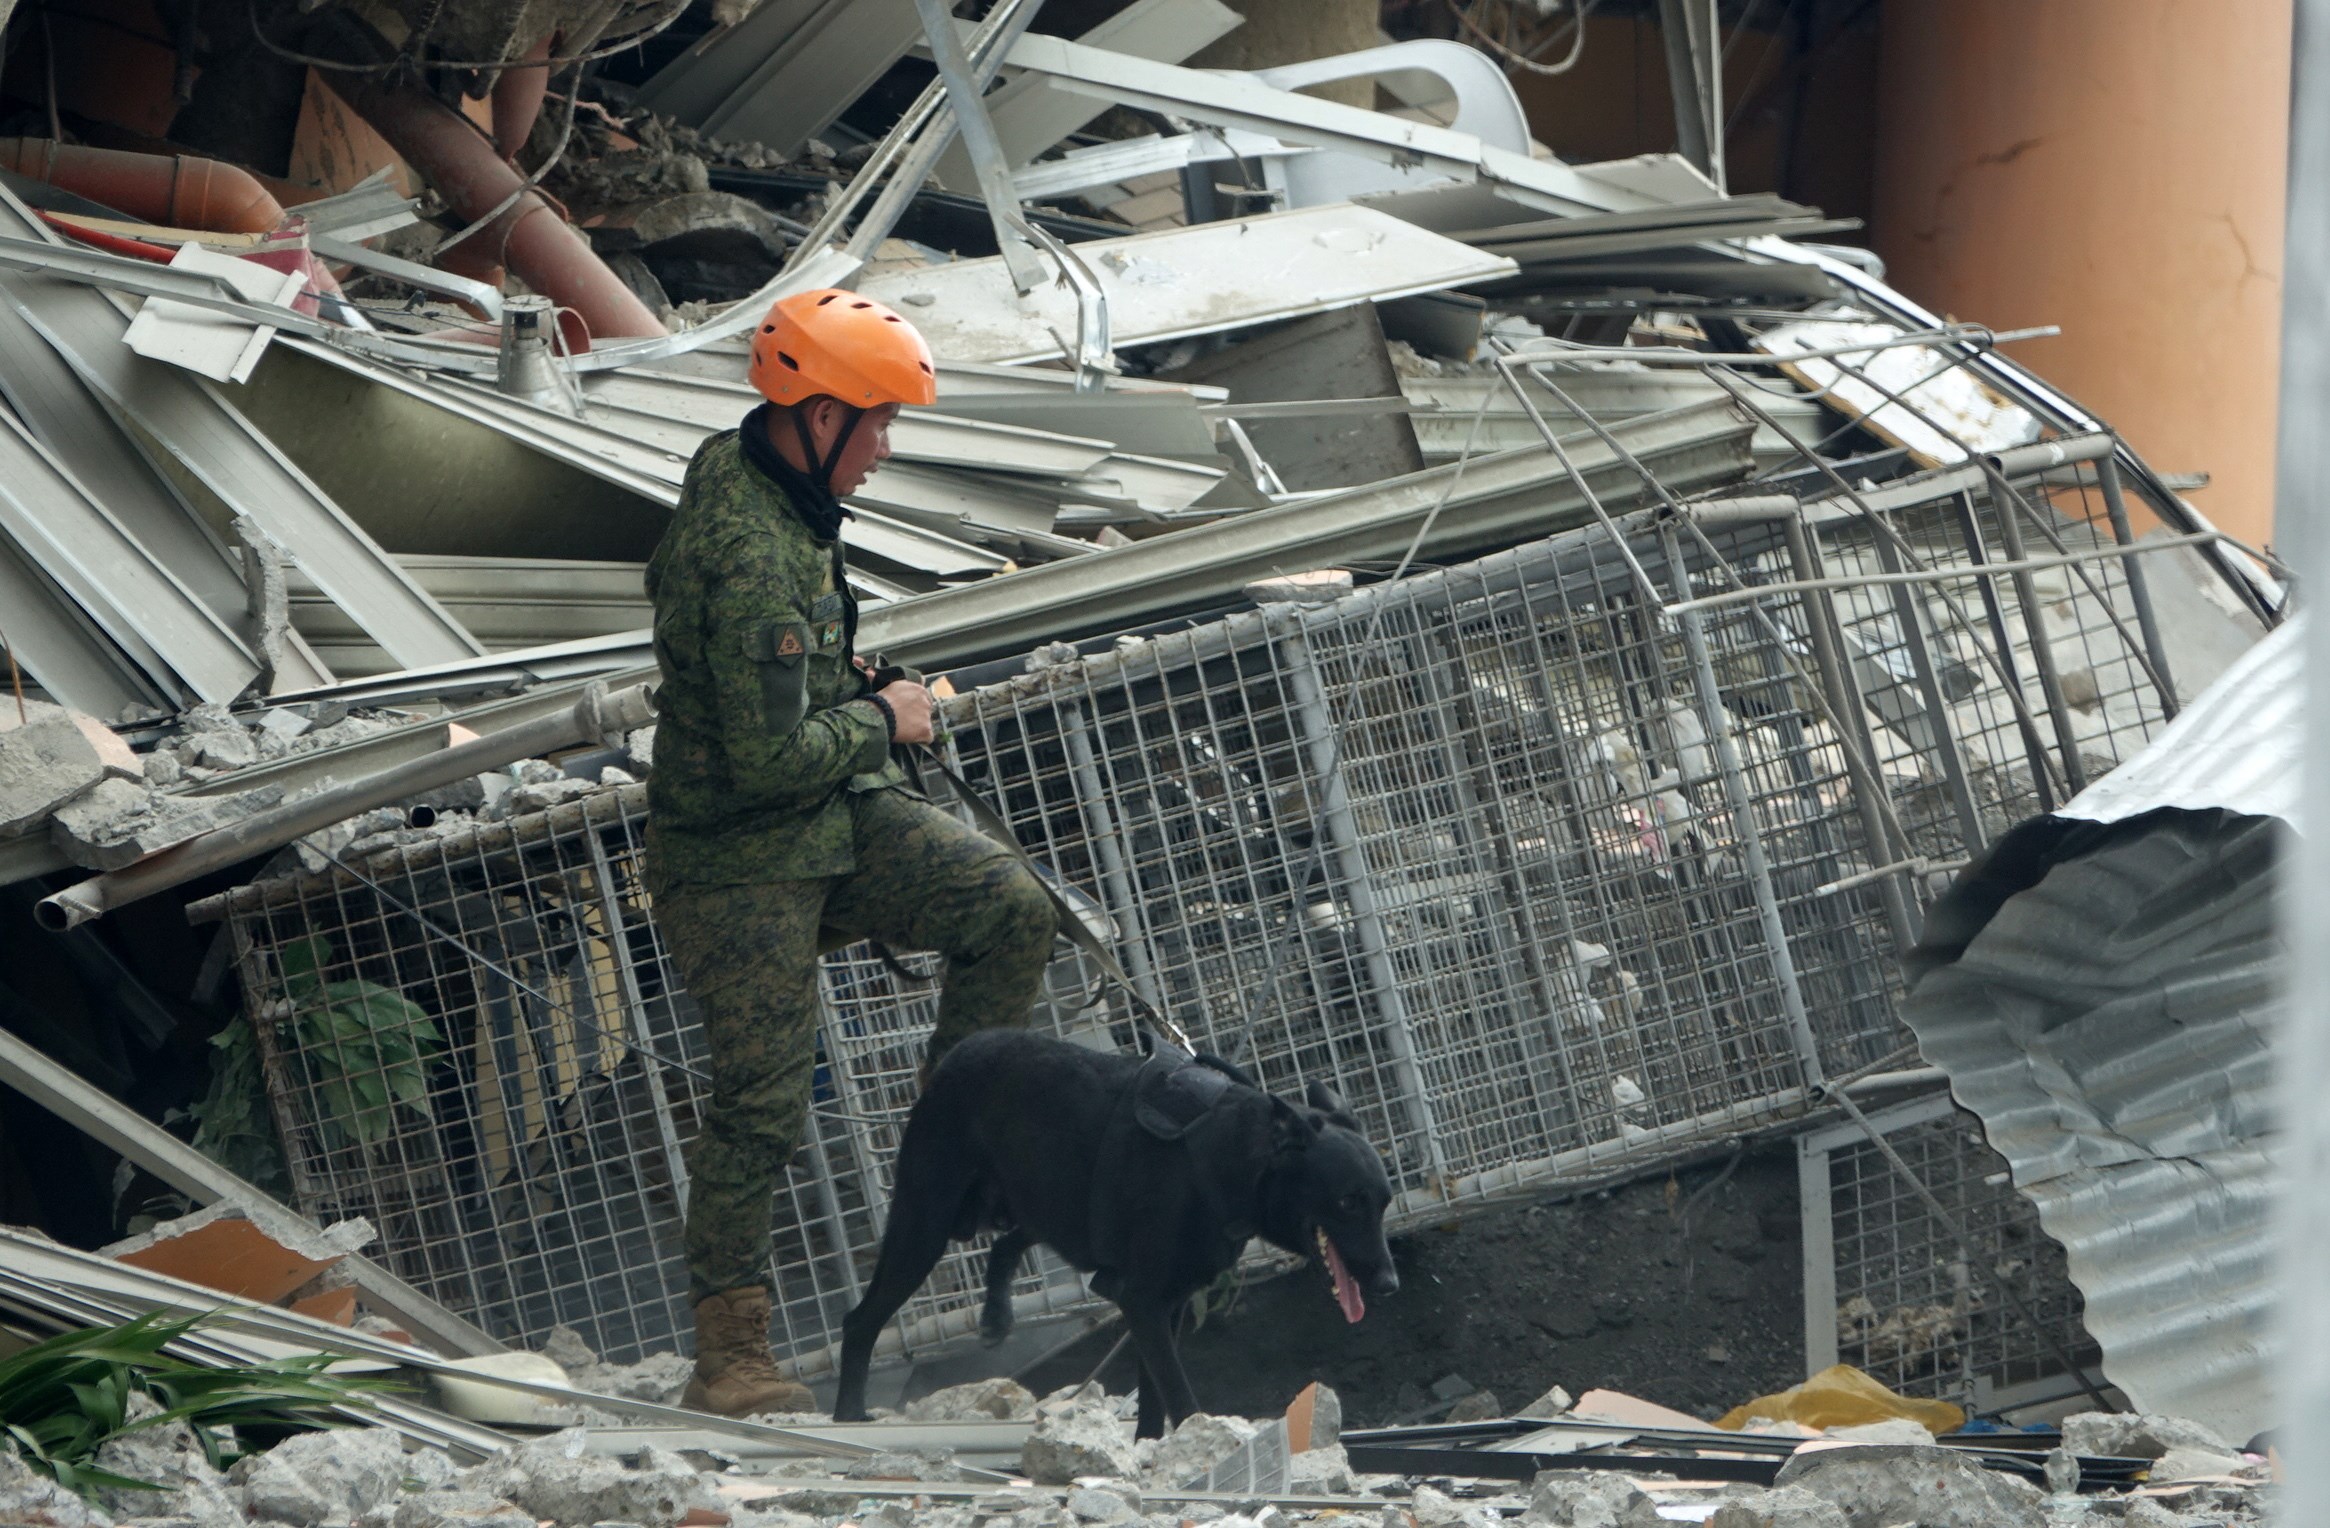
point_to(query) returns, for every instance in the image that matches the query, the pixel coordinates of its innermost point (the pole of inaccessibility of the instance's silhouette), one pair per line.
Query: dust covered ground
(1687, 1291)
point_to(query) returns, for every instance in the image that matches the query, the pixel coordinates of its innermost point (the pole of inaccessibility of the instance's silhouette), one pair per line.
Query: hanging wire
(632, 39)
(1515, 58)
(557, 152)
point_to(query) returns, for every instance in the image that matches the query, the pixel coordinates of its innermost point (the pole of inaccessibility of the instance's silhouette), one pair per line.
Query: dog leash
(993, 823)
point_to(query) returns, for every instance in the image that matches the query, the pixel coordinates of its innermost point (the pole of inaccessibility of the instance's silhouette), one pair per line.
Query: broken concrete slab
(171, 1457)
(34, 1500)
(1786, 1507)
(1084, 1437)
(557, 1478)
(44, 763)
(115, 823)
(223, 1247)
(1589, 1499)
(330, 1477)
(1878, 1485)
(1189, 1452)
(998, 1399)
(2137, 1435)
(447, 1509)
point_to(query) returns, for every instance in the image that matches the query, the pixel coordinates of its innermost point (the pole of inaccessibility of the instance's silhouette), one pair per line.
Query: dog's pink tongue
(1346, 1287)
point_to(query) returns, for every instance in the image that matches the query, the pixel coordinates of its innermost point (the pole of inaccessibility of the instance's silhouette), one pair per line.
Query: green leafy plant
(232, 1124)
(63, 1400)
(367, 1047)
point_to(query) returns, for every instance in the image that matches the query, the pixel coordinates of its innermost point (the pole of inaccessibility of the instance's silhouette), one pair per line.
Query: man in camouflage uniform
(778, 816)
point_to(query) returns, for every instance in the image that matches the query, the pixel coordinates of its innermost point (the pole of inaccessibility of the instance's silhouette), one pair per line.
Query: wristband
(889, 717)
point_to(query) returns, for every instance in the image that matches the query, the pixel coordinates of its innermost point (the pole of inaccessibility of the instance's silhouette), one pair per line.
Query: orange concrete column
(2115, 167)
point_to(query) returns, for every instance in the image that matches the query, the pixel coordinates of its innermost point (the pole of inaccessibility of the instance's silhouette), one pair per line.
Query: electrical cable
(1517, 59)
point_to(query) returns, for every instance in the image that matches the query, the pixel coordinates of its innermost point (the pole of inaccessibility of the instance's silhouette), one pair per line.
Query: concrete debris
(565, 1347)
(44, 763)
(555, 1478)
(1548, 1406)
(1098, 1504)
(1186, 1454)
(1434, 1508)
(1786, 1507)
(1480, 1406)
(1589, 1499)
(1081, 1437)
(116, 823)
(331, 1477)
(999, 1399)
(2137, 1435)
(1323, 1468)
(1889, 1430)
(660, 1378)
(2183, 1463)
(1879, 1485)
(171, 1457)
(447, 1509)
(32, 1500)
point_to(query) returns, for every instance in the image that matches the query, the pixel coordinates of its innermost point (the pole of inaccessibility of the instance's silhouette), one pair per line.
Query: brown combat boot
(736, 1374)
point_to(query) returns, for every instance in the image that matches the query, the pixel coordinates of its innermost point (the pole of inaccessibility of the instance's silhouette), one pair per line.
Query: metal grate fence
(1564, 860)
(1891, 1291)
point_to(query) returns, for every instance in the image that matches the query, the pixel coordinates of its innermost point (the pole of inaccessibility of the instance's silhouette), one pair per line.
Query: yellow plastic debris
(1842, 1396)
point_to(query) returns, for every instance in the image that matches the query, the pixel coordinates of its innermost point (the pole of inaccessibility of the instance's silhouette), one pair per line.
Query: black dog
(1147, 1173)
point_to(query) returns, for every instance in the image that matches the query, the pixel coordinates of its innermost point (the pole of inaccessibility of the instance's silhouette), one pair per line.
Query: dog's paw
(994, 1326)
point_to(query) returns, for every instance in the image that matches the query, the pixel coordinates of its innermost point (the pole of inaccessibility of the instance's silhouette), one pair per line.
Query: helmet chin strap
(820, 468)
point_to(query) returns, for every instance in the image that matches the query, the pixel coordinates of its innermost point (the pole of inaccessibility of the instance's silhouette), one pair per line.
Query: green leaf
(303, 962)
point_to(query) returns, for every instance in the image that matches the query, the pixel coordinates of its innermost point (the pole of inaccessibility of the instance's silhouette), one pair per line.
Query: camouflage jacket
(762, 732)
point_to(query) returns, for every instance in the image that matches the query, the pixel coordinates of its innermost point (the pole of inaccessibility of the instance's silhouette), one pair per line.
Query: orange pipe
(517, 98)
(175, 190)
(528, 235)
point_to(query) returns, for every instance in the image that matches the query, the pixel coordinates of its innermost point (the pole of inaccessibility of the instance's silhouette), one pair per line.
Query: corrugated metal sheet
(2103, 991)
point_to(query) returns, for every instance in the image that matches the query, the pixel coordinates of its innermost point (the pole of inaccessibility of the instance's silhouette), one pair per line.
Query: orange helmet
(838, 344)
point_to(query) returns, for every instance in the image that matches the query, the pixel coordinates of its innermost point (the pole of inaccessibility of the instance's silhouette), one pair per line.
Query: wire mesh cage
(1979, 1321)
(1567, 859)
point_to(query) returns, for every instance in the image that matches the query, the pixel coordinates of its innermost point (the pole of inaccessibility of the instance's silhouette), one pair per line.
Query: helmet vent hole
(768, 328)
(828, 297)
(861, 304)
(788, 361)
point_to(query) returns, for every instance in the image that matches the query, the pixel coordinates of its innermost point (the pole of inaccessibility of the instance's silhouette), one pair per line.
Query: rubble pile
(1527, 642)
(1082, 1467)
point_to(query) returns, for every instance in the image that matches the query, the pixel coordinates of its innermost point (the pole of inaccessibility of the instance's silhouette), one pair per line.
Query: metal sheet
(2103, 991)
(1030, 115)
(139, 602)
(54, 641)
(211, 344)
(1182, 281)
(1230, 100)
(221, 450)
(1483, 503)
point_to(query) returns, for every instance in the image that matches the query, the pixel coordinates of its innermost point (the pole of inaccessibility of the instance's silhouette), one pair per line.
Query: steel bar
(1342, 833)
(1496, 498)
(964, 90)
(2002, 507)
(119, 1128)
(597, 714)
(1749, 839)
(2107, 477)
(1978, 554)
(1909, 613)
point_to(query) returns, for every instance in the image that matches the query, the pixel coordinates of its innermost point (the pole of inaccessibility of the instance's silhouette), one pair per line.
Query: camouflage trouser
(748, 955)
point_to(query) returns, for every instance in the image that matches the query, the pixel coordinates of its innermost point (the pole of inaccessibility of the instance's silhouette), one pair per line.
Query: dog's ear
(1327, 1101)
(1290, 1128)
